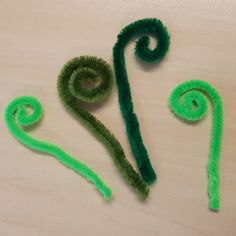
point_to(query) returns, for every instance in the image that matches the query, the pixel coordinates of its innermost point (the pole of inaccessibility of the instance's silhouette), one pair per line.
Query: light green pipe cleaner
(17, 116)
(188, 102)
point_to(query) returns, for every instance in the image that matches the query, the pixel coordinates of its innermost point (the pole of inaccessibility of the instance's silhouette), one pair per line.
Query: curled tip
(26, 110)
(88, 79)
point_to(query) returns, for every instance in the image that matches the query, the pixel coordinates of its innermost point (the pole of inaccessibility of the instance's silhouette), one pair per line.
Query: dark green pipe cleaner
(73, 92)
(17, 117)
(142, 28)
(188, 102)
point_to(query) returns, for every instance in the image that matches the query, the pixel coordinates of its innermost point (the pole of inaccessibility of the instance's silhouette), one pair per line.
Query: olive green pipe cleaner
(188, 102)
(141, 28)
(17, 116)
(73, 93)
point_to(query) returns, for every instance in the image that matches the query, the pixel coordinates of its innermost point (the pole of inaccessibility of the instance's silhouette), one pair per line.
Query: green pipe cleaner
(73, 93)
(188, 102)
(17, 116)
(141, 28)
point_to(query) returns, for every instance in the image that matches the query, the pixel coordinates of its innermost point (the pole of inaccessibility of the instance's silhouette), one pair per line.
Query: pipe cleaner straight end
(73, 94)
(27, 111)
(148, 173)
(107, 193)
(188, 102)
(215, 205)
(142, 29)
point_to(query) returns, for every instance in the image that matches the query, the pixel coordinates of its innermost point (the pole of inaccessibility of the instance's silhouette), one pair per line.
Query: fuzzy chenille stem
(187, 101)
(142, 28)
(72, 93)
(16, 117)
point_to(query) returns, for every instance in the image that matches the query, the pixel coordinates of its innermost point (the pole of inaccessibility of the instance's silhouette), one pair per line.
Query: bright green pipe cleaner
(17, 116)
(188, 102)
(73, 93)
(142, 28)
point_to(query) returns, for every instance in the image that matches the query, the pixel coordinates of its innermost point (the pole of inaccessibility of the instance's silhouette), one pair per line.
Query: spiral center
(86, 79)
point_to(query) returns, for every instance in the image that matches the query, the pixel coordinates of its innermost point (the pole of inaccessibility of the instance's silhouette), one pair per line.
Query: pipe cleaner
(188, 102)
(141, 28)
(17, 117)
(73, 94)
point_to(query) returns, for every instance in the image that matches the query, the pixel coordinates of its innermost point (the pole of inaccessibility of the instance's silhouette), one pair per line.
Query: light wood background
(39, 197)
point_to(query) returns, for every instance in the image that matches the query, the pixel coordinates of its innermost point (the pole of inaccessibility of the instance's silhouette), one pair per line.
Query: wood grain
(40, 197)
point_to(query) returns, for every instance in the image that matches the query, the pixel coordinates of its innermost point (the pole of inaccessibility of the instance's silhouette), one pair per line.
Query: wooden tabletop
(39, 197)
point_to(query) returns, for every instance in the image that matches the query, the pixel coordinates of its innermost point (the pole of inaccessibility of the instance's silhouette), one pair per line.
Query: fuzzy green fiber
(17, 116)
(73, 93)
(187, 101)
(142, 28)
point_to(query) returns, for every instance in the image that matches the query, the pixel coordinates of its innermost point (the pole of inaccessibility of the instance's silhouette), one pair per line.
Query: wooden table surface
(39, 197)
